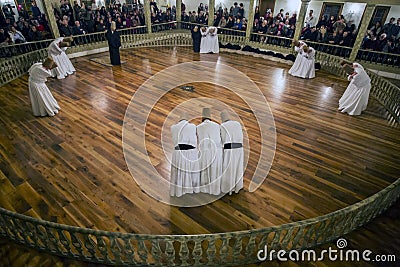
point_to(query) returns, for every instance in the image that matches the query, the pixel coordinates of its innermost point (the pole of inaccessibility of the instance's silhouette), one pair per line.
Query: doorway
(266, 4)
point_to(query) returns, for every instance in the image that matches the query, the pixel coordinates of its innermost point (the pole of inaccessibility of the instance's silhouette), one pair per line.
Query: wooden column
(250, 21)
(211, 11)
(369, 10)
(48, 6)
(300, 19)
(178, 10)
(147, 14)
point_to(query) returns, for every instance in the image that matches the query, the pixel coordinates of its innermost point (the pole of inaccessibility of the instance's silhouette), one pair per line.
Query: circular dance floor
(71, 168)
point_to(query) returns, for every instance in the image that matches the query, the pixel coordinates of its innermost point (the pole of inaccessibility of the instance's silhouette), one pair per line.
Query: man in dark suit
(114, 43)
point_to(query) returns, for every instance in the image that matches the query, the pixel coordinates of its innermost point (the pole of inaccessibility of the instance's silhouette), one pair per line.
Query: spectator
(293, 19)
(241, 10)
(347, 40)
(376, 29)
(65, 29)
(311, 35)
(222, 23)
(101, 27)
(5, 37)
(323, 22)
(310, 19)
(34, 34)
(238, 24)
(16, 36)
(77, 29)
(339, 25)
(235, 9)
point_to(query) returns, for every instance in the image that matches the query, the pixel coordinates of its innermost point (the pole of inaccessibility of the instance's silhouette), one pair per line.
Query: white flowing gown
(43, 102)
(205, 42)
(309, 64)
(299, 58)
(233, 159)
(355, 98)
(306, 65)
(185, 176)
(210, 147)
(64, 65)
(213, 41)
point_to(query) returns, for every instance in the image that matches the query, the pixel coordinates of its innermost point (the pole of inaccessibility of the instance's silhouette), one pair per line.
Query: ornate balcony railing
(222, 249)
(331, 49)
(8, 51)
(376, 57)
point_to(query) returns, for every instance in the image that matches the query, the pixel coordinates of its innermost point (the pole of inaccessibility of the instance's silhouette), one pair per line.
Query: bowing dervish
(213, 40)
(355, 98)
(185, 176)
(196, 37)
(233, 156)
(43, 102)
(204, 43)
(56, 51)
(114, 43)
(308, 62)
(298, 47)
(210, 159)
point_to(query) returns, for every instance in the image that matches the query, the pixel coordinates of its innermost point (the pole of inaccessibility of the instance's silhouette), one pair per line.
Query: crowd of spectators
(77, 20)
(234, 18)
(337, 31)
(282, 24)
(384, 38)
(28, 27)
(332, 30)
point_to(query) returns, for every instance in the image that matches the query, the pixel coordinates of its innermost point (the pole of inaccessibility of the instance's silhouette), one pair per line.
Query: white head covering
(357, 65)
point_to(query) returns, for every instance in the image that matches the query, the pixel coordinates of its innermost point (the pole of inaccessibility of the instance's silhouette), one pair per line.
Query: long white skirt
(205, 45)
(232, 177)
(309, 66)
(213, 44)
(296, 65)
(211, 171)
(354, 99)
(64, 66)
(43, 102)
(185, 176)
(305, 68)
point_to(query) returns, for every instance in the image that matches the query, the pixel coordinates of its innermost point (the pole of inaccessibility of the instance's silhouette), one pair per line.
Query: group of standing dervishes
(207, 158)
(355, 98)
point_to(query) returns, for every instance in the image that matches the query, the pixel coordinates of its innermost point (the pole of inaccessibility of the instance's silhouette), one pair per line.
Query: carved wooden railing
(222, 249)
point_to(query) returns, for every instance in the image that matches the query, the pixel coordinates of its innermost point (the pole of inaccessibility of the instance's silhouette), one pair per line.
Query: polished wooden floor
(70, 168)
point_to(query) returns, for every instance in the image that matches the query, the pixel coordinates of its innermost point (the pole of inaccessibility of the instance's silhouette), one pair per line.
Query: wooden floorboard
(71, 169)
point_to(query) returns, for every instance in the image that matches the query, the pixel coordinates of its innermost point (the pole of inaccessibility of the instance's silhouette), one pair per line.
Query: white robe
(309, 64)
(210, 147)
(355, 98)
(185, 176)
(64, 65)
(306, 64)
(299, 59)
(205, 42)
(233, 159)
(209, 41)
(213, 40)
(43, 102)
